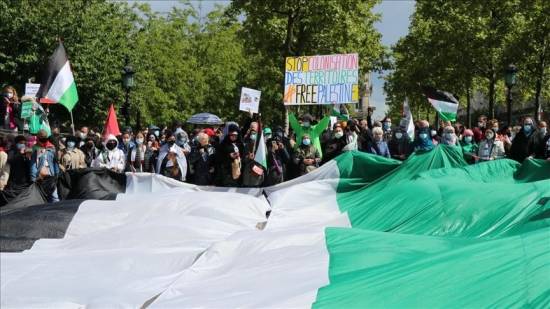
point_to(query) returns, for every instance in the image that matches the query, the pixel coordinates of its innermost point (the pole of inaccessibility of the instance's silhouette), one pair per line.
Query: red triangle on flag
(111, 124)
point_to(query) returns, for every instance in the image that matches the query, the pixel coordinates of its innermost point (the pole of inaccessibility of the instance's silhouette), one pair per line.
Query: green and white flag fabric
(444, 103)
(361, 231)
(261, 153)
(340, 111)
(58, 85)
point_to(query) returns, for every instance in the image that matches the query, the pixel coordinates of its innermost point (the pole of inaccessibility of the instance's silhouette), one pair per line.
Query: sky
(394, 24)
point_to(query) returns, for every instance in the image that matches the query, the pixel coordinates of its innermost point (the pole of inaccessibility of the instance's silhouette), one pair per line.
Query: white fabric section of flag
(123, 253)
(261, 153)
(443, 106)
(61, 83)
(410, 122)
(182, 248)
(290, 254)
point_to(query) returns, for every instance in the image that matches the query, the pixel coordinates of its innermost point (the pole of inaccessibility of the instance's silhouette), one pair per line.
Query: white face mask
(10, 95)
(338, 134)
(543, 131)
(434, 133)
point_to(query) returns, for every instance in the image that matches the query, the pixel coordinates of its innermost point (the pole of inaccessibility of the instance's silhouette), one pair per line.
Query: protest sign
(26, 109)
(31, 89)
(250, 100)
(327, 79)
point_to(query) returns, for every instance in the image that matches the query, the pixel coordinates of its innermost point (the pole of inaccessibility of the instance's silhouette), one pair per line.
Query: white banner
(250, 100)
(31, 89)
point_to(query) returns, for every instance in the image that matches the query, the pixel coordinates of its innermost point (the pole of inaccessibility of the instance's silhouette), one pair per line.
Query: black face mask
(43, 140)
(171, 143)
(111, 146)
(90, 145)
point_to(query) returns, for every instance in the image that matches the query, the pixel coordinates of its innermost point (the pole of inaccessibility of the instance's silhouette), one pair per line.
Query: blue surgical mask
(20, 146)
(468, 139)
(306, 141)
(70, 144)
(253, 136)
(527, 128)
(423, 135)
(306, 124)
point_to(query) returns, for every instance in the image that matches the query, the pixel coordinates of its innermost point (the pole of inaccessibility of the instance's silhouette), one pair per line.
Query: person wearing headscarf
(449, 137)
(526, 141)
(71, 156)
(490, 148)
(335, 145)
(400, 144)
(423, 141)
(306, 127)
(469, 146)
(228, 159)
(111, 157)
(171, 160)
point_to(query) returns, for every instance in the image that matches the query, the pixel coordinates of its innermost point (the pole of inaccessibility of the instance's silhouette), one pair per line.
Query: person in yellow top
(305, 128)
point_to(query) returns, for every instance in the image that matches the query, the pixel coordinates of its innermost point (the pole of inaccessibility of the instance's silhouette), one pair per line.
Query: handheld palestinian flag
(444, 103)
(340, 112)
(407, 114)
(58, 84)
(261, 152)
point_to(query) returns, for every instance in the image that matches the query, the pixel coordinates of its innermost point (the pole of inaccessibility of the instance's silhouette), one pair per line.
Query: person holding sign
(312, 131)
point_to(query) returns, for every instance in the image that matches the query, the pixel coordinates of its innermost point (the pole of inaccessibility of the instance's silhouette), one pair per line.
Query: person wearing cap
(72, 157)
(43, 159)
(171, 160)
(307, 157)
(490, 148)
(469, 146)
(305, 127)
(111, 157)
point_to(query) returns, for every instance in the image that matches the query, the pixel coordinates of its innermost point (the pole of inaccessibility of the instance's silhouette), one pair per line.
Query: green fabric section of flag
(335, 111)
(447, 116)
(387, 270)
(435, 232)
(69, 97)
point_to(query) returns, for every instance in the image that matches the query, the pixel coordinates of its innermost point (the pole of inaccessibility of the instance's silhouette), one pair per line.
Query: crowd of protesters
(225, 155)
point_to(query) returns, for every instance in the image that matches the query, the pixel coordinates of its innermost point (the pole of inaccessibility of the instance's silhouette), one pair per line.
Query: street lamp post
(127, 84)
(510, 80)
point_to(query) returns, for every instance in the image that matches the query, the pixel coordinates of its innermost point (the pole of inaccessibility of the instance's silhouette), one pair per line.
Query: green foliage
(466, 45)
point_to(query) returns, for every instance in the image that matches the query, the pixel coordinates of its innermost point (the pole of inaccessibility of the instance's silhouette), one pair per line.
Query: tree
(274, 30)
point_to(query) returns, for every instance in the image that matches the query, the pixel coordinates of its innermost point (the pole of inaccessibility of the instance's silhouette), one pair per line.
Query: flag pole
(72, 122)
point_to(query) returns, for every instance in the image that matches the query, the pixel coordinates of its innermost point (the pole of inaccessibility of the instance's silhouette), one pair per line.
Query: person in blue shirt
(378, 145)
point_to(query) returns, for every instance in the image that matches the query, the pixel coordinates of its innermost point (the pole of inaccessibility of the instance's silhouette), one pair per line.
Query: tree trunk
(468, 108)
(538, 86)
(492, 83)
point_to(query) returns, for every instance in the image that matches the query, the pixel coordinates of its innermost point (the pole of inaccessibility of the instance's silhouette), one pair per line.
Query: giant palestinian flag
(444, 103)
(361, 231)
(58, 84)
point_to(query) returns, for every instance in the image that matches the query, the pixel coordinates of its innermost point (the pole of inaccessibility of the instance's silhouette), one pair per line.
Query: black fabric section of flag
(439, 95)
(56, 62)
(21, 227)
